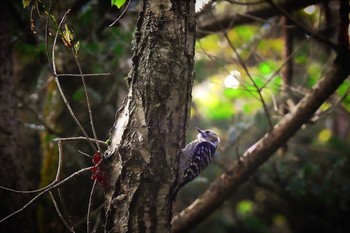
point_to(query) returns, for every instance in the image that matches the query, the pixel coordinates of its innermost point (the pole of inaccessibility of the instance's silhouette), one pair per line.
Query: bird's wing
(202, 155)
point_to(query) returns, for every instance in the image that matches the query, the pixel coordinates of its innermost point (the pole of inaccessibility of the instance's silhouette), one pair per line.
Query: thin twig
(87, 98)
(212, 58)
(47, 41)
(82, 152)
(98, 220)
(244, 66)
(70, 228)
(84, 75)
(64, 207)
(127, 6)
(83, 220)
(80, 138)
(89, 207)
(59, 85)
(25, 206)
(302, 27)
(57, 184)
(60, 160)
(284, 63)
(58, 173)
(28, 191)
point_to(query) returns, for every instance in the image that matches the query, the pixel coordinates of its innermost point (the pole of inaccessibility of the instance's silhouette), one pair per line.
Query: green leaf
(222, 110)
(78, 94)
(264, 68)
(118, 3)
(209, 43)
(245, 207)
(67, 36)
(26, 3)
(76, 47)
(301, 59)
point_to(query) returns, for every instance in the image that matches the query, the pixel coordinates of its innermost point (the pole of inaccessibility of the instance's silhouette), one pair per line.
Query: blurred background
(245, 80)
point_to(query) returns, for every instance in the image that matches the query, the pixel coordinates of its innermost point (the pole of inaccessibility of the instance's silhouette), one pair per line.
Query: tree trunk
(149, 130)
(13, 167)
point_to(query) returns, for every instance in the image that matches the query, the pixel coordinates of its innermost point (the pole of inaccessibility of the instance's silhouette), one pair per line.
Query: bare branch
(59, 85)
(86, 97)
(89, 207)
(123, 12)
(315, 35)
(52, 186)
(84, 75)
(244, 66)
(79, 139)
(71, 229)
(230, 19)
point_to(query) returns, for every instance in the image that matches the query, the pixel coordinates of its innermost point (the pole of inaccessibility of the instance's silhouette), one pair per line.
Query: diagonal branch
(255, 156)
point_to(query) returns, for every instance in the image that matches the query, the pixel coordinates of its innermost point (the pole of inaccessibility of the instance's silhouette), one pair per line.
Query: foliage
(304, 175)
(118, 3)
(303, 188)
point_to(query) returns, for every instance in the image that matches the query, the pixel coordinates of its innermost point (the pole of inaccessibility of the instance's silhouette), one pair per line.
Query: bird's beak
(200, 131)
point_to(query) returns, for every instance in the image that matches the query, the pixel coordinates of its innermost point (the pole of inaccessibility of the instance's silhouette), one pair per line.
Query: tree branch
(260, 152)
(230, 19)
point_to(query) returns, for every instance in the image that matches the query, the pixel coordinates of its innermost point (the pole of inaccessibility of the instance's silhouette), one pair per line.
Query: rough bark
(13, 168)
(255, 156)
(150, 127)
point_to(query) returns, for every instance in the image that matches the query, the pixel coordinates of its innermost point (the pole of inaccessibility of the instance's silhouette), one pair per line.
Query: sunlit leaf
(76, 47)
(245, 207)
(224, 110)
(208, 43)
(50, 137)
(277, 81)
(344, 88)
(314, 73)
(247, 109)
(343, 91)
(301, 59)
(242, 34)
(324, 135)
(26, 3)
(264, 68)
(67, 37)
(259, 81)
(118, 3)
(246, 32)
(268, 47)
(231, 93)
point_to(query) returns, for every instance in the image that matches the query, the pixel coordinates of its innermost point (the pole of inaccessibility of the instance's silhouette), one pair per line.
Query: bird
(196, 156)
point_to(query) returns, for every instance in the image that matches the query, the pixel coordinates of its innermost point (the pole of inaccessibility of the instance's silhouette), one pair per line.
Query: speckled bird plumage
(196, 156)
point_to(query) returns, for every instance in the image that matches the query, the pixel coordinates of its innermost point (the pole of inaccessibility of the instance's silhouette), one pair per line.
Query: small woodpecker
(196, 156)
